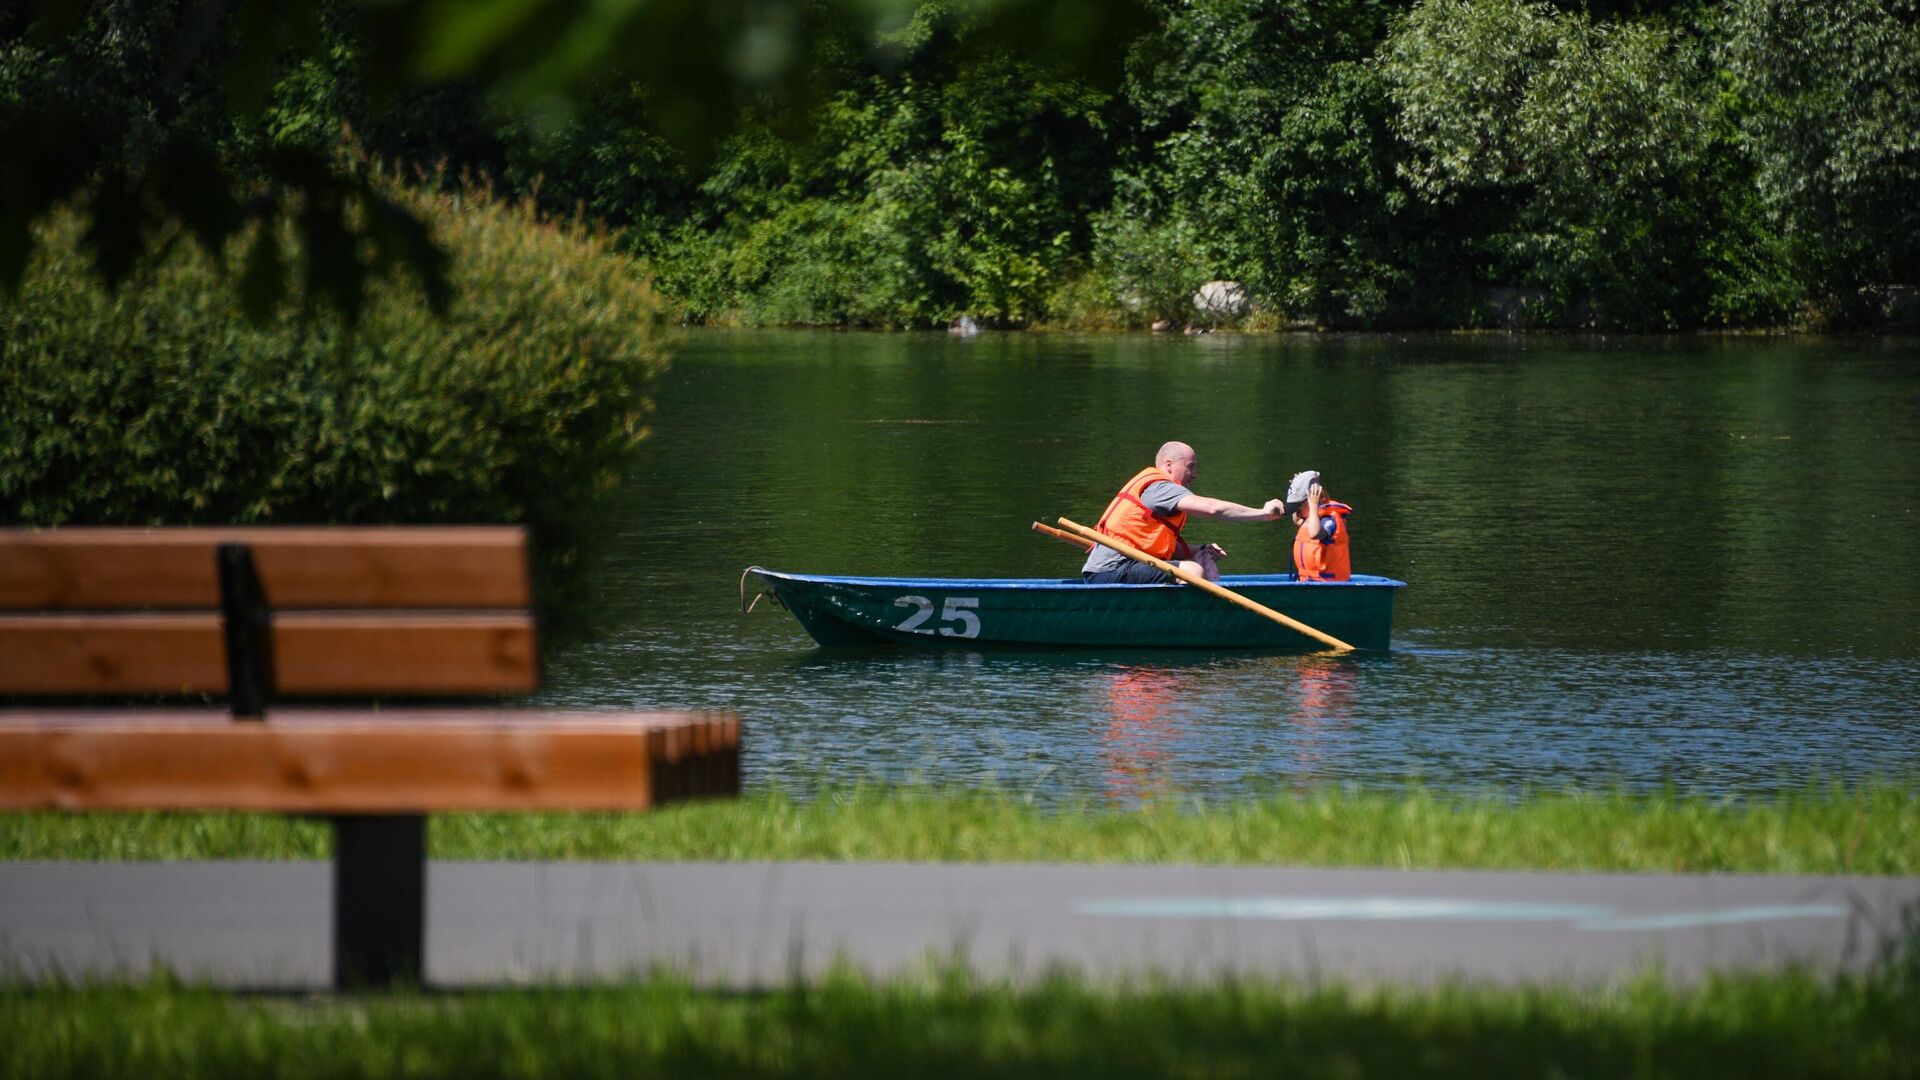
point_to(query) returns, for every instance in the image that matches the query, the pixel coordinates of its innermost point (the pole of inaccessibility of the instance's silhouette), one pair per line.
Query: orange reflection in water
(1143, 722)
(1149, 711)
(1325, 700)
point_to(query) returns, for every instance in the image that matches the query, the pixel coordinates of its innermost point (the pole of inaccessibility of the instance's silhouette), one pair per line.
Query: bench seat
(368, 613)
(330, 761)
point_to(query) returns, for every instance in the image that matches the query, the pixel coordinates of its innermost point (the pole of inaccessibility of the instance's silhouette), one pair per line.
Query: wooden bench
(256, 615)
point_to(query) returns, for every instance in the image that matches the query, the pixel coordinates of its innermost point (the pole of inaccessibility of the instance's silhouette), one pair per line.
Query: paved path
(757, 924)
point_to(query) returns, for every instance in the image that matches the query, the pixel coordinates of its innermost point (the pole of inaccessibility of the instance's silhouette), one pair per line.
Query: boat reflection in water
(1144, 721)
(1325, 703)
(1158, 715)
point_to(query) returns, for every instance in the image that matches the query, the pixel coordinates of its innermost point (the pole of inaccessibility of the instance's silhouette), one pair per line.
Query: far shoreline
(1041, 329)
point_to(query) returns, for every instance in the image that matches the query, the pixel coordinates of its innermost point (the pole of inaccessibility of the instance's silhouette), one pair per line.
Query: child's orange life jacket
(1315, 559)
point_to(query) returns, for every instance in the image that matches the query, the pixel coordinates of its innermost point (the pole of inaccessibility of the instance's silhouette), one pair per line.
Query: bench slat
(314, 653)
(329, 762)
(335, 567)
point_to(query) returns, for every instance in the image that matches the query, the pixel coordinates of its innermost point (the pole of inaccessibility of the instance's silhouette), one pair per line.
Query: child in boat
(1320, 550)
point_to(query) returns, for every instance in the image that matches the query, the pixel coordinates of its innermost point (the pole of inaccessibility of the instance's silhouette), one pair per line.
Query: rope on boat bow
(747, 606)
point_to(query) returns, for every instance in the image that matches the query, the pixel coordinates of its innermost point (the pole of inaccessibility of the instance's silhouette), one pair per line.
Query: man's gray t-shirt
(1161, 495)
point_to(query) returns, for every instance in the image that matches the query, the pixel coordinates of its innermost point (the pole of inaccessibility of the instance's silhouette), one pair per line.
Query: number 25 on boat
(958, 610)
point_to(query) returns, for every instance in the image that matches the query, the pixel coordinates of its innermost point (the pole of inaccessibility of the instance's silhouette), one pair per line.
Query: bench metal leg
(379, 899)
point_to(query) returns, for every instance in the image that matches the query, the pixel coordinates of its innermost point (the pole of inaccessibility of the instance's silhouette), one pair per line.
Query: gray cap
(1297, 487)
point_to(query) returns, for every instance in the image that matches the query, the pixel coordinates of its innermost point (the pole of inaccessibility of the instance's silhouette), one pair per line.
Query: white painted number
(925, 612)
(960, 609)
(957, 609)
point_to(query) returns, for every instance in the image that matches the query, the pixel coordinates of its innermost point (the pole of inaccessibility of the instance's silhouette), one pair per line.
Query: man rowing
(1149, 513)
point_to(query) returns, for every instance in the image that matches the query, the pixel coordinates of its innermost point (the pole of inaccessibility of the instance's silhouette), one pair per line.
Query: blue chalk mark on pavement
(1684, 919)
(1361, 907)
(1587, 917)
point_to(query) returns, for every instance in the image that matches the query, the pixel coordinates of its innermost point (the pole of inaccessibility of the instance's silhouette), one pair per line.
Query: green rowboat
(975, 612)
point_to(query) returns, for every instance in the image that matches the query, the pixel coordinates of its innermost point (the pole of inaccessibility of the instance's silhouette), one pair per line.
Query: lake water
(1631, 562)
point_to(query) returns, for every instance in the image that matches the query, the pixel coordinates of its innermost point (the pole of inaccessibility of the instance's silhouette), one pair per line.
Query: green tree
(142, 159)
(1586, 151)
(1829, 114)
(1260, 150)
(947, 179)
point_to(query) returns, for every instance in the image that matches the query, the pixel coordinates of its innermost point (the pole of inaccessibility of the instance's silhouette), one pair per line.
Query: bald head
(1177, 458)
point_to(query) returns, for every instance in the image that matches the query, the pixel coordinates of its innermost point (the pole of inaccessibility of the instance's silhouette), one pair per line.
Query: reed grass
(1863, 829)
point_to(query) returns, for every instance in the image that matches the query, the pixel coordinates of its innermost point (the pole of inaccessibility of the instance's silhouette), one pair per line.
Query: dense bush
(1640, 164)
(161, 404)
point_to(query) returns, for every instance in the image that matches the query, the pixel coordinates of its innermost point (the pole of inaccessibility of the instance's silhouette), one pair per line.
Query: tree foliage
(1261, 148)
(1583, 144)
(1637, 164)
(149, 114)
(152, 112)
(952, 181)
(1832, 121)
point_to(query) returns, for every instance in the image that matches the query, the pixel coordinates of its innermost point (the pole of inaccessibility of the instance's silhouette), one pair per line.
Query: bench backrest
(432, 610)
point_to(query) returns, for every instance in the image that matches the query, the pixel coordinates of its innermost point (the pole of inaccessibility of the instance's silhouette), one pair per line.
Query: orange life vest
(1127, 518)
(1315, 559)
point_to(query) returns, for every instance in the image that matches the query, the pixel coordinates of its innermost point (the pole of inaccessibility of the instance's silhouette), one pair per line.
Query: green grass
(945, 1024)
(1870, 829)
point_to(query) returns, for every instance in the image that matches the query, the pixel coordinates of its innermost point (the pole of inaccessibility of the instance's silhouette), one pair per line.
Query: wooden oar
(1063, 537)
(1201, 583)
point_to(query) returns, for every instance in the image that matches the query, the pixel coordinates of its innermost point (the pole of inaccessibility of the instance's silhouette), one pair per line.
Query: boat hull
(1029, 612)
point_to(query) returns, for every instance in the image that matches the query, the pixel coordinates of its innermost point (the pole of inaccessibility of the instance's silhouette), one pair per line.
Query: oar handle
(1063, 537)
(1201, 583)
